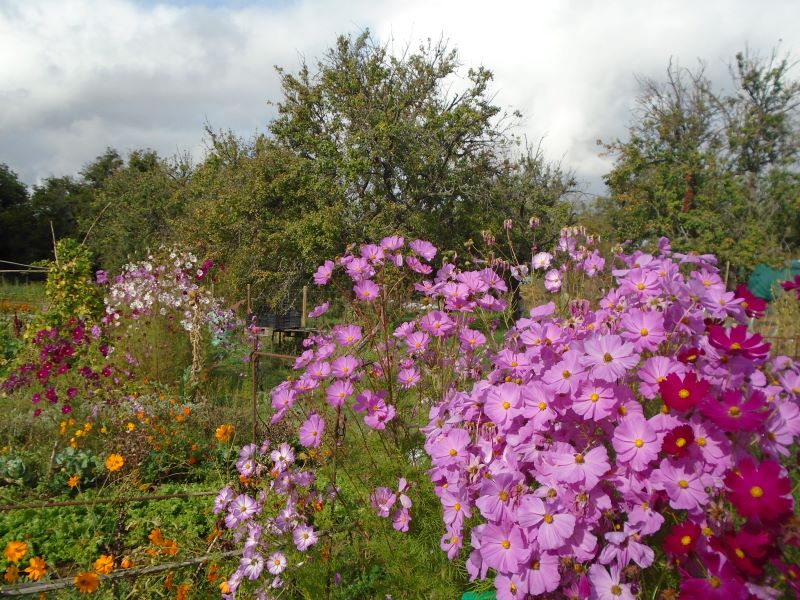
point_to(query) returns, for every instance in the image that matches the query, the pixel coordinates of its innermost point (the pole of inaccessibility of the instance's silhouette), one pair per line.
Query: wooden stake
(305, 307)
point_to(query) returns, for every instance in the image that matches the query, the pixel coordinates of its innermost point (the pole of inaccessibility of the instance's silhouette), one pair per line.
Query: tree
(402, 148)
(714, 172)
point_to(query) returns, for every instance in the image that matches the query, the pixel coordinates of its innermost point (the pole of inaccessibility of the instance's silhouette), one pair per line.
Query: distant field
(21, 297)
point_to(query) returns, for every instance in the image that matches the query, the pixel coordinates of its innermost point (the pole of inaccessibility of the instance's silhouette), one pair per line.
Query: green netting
(764, 277)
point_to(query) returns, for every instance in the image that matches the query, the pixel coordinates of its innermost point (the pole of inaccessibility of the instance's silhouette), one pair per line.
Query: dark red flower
(791, 573)
(682, 538)
(752, 305)
(735, 341)
(747, 549)
(678, 441)
(759, 491)
(683, 393)
(792, 284)
(690, 355)
(722, 582)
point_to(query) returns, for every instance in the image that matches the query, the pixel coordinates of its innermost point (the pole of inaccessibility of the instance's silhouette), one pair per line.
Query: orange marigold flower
(213, 573)
(156, 537)
(170, 547)
(104, 564)
(74, 480)
(87, 582)
(36, 569)
(15, 551)
(114, 462)
(168, 582)
(182, 592)
(224, 433)
(12, 574)
(126, 563)
(224, 587)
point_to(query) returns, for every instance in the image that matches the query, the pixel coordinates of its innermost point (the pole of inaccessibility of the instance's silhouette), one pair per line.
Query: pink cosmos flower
(393, 243)
(344, 367)
(595, 401)
(644, 329)
(541, 575)
(372, 252)
(319, 310)
(401, 520)
(503, 404)
(584, 469)
(683, 393)
(541, 260)
(684, 484)
(451, 449)
(451, 543)
(565, 376)
(323, 274)
(415, 265)
(408, 378)
(311, 431)
(359, 269)
(608, 357)
(437, 323)
(552, 281)
(503, 547)
(607, 586)
(304, 537)
(635, 442)
(497, 495)
(417, 342)
(553, 526)
(252, 566)
(367, 290)
(338, 392)
(760, 491)
(382, 500)
(347, 334)
(624, 546)
(456, 509)
(471, 339)
(424, 249)
(655, 370)
(641, 282)
(319, 370)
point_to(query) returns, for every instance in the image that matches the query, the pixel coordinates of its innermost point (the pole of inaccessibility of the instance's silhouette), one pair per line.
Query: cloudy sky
(78, 76)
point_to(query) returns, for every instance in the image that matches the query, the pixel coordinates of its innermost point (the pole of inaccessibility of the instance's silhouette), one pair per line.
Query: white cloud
(78, 76)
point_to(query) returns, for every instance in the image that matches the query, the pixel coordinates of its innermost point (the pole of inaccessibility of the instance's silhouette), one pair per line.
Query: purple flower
(252, 565)
(541, 575)
(311, 431)
(392, 243)
(401, 519)
(553, 527)
(382, 500)
(319, 310)
(437, 323)
(344, 367)
(451, 449)
(408, 378)
(552, 280)
(338, 392)
(417, 342)
(304, 537)
(608, 357)
(276, 563)
(684, 485)
(503, 547)
(424, 249)
(635, 442)
(644, 329)
(607, 586)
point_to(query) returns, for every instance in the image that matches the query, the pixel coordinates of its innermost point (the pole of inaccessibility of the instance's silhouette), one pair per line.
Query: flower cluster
(175, 286)
(595, 434)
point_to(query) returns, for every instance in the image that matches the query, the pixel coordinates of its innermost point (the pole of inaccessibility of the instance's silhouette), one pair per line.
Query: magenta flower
(608, 357)
(408, 378)
(760, 491)
(683, 393)
(471, 339)
(503, 403)
(736, 341)
(721, 583)
(417, 342)
(347, 335)
(304, 537)
(311, 431)
(497, 494)
(503, 547)
(584, 469)
(554, 527)
(324, 273)
(366, 290)
(733, 413)
(456, 509)
(635, 442)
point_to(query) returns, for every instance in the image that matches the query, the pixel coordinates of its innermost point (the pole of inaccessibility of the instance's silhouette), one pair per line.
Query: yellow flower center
(736, 346)
(715, 582)
(542, 405)
(680, 442)
(504, 495)
(701, 441)
(683, 484)
(638, 442)
(683, 393)
(579, 459)
(535, 565)
(756, 491)
(686, 540)
(456, 506)
(594, 397)
(453, 451)
(548, 518)
(506, 405)
(506, 544)
(734, 411)
(607, 357)
(739, 552)
(615, 589)
(623, 410)
(644, 331)
(640, 286)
